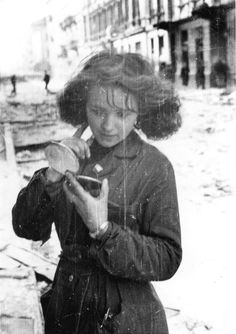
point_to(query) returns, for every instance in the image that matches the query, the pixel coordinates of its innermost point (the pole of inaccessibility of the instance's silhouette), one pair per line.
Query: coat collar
(114, 159)
(128, 148)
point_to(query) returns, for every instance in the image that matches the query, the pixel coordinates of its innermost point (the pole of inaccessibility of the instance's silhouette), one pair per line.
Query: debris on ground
(40, 264)
(20, 306)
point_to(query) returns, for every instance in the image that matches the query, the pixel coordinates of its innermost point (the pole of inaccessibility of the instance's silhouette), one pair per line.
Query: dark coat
(142, 243)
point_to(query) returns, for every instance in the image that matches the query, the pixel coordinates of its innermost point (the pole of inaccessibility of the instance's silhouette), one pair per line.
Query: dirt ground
(203, 154)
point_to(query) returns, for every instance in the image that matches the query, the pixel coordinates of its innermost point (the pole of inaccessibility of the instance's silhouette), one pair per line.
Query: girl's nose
(107, 123)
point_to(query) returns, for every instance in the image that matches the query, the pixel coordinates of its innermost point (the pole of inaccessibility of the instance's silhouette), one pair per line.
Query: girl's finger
(104, 189)
(87, 150)
(71, 196)
(83, 150)
(75, 186)
(79, 150)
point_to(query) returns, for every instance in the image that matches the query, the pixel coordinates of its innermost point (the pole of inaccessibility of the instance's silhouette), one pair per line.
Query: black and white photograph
(117, 167)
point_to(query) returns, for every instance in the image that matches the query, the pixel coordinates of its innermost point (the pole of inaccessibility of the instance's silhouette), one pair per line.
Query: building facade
(40, 55)
(126, 25)
(192, 41)
(202, 40)
(64, 36)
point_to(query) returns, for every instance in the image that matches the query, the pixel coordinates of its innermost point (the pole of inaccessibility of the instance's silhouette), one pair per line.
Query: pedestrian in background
(13, 82)
(46, 79)
(115, 244)
(184, 74)
(200, 77)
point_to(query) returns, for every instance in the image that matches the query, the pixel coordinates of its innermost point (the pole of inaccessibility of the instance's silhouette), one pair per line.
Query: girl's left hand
(93, 210)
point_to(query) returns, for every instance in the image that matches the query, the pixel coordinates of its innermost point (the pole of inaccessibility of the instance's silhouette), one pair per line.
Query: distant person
(46, 79)
(219, 74)
(200, 77)
(184, 74)
(13, 82)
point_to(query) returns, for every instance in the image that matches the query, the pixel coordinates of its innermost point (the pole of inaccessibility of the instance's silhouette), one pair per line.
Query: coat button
(79, 255)
(71, 277)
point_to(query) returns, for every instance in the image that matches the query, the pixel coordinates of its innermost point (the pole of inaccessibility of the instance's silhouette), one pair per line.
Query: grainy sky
(15, 18)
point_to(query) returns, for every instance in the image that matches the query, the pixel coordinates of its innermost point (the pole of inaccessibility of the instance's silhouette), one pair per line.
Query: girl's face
(111, 114)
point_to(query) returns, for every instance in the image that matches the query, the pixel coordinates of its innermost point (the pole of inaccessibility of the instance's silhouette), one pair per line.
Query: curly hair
(158, 104)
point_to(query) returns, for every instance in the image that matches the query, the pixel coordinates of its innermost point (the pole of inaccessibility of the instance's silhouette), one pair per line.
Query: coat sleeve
(154, 253)
(32, 215)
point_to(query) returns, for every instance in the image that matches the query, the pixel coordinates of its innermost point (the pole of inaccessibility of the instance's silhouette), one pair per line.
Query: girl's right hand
(79, 146)
(52, 180)
(52, 176)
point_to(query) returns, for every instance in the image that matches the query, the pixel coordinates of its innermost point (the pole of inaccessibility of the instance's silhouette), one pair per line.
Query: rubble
(21, 311)
(35, 260)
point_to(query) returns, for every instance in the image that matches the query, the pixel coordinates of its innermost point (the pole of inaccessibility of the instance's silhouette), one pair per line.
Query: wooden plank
(10, 151)
(27, 156)
(32, 259)
(21, 310)
(37, 134)
(171, 312)
(16, 111)
(13, 325)
(7, 263)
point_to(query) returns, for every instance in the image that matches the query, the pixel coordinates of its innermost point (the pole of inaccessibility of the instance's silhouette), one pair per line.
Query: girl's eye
(96, 112)
(121, 114)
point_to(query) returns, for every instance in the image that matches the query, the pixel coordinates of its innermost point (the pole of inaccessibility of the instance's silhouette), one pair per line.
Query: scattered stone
(183, 324)
(7, 263)
(21, 311)
(40, 264)
(23, 155)
(209, 130)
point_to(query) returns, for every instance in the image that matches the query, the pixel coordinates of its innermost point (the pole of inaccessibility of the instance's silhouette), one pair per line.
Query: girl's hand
(52, 176)
(78, 146)
(93, 210)
(52, 181)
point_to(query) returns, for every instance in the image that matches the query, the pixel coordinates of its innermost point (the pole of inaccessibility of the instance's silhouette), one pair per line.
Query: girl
(112, 245)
